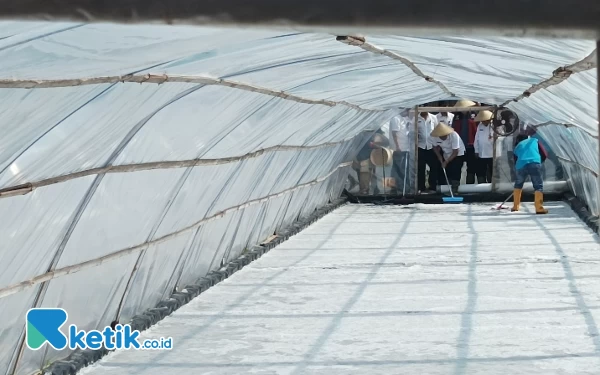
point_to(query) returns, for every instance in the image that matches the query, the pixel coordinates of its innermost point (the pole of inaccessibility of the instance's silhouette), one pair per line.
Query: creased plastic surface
(272, 159)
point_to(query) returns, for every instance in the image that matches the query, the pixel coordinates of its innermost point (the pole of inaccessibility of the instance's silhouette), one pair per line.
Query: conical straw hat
(441, 130)
(484, 116)
(382, 157)
(464, 103)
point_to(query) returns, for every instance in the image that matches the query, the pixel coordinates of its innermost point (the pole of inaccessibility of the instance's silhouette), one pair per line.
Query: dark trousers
(454, 170)
(485, 170)
(427, 157)
(471, 161)
(400, 169)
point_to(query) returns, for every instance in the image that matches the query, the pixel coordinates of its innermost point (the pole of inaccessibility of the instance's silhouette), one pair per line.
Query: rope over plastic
(163, 78)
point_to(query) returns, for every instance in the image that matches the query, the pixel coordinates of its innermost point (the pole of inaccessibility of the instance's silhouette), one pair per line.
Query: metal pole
(416, 158)
(475, 108)
(494, 162)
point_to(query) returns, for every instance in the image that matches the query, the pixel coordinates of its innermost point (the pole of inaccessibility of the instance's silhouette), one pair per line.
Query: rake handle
(506, 200)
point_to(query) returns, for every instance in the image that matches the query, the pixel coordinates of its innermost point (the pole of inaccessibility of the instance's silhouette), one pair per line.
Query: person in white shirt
(484, 147)
(399, 144)
(445, 117)
(449, 150)
(427, 122)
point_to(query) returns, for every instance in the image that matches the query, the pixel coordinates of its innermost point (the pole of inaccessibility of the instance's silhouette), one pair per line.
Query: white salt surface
(421, 289)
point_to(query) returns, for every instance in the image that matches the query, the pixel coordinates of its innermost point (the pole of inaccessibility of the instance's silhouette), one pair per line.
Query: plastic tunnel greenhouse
(136, 159)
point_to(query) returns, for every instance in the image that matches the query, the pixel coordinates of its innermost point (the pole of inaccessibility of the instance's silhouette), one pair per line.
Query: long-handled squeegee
(452, 198)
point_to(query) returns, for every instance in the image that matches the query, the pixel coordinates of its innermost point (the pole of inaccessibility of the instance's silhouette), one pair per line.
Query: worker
(466, 127)
(484, 147)
(449, 150)
(529, 156)
(363, 161)
(426, 155)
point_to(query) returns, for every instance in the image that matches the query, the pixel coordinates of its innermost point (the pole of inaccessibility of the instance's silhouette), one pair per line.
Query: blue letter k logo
(43, 325)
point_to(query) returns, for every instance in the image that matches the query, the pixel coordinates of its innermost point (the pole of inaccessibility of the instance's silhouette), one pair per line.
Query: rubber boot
(516, 200)
(539, 203)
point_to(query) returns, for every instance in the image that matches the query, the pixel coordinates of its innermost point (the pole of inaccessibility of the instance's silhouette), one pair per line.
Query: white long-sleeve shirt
(425, 127)
(451, 143)
(484, 141)
(448, 119)
(399, 127)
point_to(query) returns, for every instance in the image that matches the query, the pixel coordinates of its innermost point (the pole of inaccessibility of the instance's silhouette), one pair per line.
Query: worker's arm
(543, 152)
(455, 147)
(452, 156)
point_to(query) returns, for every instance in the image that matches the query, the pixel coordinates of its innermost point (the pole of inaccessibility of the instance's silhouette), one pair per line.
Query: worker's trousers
(400, 169)
(533, 170)
(485, 170)
(454, 169)
(471, 161)
(427, 157)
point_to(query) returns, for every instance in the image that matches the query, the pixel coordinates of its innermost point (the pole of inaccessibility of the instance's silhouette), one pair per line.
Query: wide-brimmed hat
(484, 116)
(464, 103)
(441, 130)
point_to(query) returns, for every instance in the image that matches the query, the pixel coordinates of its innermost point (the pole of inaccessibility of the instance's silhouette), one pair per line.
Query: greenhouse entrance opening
(392, 165)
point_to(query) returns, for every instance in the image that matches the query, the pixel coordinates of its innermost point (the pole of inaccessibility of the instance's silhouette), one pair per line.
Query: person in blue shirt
(529, 155)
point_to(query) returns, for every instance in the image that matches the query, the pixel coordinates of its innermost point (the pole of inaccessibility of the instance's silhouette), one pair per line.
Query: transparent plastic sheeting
(184, 220)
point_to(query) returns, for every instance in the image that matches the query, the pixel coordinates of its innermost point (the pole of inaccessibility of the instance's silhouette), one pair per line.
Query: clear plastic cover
(178, 176)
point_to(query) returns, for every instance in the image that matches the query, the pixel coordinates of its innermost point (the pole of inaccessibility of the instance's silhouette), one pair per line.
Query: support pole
(416, 158)
(598, 97)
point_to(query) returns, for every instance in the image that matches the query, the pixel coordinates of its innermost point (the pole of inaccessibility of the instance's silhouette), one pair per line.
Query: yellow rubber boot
(516, 200)
(539, 203)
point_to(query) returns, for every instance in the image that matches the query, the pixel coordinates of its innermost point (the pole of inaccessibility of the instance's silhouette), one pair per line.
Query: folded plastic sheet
(273, 159)
(573, 102)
